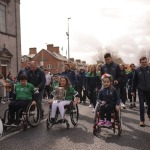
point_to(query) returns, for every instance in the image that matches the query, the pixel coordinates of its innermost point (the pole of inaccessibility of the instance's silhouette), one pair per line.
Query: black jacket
(112, 69)
(141, 79)
(37, 78)
(81, 79)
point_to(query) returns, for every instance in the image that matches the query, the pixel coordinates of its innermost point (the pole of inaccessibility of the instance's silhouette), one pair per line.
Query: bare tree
(108, 49)
(144, 52)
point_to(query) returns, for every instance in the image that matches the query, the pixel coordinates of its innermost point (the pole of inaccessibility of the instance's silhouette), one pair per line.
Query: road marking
(16, 132)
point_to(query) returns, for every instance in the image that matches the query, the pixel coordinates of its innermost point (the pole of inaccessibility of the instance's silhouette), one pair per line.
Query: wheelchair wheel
(1, 128)
(5, 119)
(117, 124)
(96, 128)
(33, 115)
(74, 114)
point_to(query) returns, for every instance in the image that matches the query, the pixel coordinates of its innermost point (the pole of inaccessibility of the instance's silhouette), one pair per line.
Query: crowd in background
(87, 82)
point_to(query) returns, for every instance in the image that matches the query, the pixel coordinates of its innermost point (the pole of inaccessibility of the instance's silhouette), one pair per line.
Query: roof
(5, 51)
(57, 56)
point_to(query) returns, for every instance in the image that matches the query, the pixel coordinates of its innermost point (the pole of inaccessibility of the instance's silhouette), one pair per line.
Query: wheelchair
(116, 120)
(29, 117)
(1, 128)
(71, 109)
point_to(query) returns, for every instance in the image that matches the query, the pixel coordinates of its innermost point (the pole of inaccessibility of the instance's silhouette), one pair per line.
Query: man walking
(141, 81)
(24, 70)
(37, 77)
(111, 68)
(70, 74)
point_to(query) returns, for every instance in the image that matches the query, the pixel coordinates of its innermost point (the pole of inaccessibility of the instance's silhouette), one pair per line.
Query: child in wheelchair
(24, 93)
(69, 93)
(109, 101)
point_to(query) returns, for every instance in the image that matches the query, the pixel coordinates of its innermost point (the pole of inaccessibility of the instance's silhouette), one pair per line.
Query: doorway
(3, 69)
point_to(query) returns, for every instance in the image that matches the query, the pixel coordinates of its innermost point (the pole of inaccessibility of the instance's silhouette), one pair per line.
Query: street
(80, 137)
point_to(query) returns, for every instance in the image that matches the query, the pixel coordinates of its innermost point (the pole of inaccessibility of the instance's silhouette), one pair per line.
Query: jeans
(142, 96)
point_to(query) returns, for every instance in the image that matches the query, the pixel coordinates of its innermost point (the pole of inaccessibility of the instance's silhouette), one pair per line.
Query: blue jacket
(110, 95)
(70, 74)
(81, 79)
(141, 79)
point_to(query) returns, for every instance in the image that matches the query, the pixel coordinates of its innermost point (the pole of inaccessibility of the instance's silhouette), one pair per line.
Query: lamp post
(67, 33)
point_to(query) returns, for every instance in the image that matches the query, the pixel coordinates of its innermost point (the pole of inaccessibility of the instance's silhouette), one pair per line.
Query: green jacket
(70, 93)
(24, 92)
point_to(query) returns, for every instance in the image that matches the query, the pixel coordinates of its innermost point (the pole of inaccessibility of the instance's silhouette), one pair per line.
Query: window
(49, 66)
(41, 63)
(2, 18)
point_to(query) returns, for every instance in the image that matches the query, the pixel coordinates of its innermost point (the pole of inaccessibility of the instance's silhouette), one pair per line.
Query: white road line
(16, 132)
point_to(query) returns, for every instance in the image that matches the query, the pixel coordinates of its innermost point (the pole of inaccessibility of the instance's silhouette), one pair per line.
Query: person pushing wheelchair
(109, 100)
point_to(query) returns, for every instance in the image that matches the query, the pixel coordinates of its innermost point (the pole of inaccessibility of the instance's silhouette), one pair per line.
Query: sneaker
(108, 124)
(145, 105)
(141, 124)
(134, 105)
(9, 123)
(101, 123)
(123, 105)
(17, 122)
(93, 110)
(131, 106)
(90, 106)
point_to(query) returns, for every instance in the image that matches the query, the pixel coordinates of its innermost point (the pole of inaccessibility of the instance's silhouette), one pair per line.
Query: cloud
(122, 25)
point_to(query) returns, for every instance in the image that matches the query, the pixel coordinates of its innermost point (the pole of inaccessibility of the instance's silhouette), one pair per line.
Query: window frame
(49, 66)
(3, 26)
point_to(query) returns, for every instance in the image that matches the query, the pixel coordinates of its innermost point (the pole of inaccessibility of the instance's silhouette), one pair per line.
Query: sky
(122, 25)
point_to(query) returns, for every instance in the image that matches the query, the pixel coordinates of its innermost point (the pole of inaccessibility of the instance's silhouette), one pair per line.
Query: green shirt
(24, 92)
(92, 74)
(55, 84)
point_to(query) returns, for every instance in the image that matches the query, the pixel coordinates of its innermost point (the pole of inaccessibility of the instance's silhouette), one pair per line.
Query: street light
(67, 33)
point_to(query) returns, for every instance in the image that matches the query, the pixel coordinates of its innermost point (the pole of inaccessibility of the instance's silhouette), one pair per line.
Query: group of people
(6, 87)
(107, 83)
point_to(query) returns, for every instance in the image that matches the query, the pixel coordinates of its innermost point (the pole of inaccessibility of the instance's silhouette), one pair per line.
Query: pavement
(80, 137)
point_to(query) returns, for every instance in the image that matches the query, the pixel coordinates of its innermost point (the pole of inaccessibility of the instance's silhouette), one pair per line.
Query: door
(3, 69)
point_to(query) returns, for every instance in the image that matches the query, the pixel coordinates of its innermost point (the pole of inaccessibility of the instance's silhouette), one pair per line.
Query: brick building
(51, 59)
(10, 41)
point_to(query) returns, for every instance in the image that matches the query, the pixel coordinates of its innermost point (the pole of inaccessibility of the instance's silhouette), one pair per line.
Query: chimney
(78, 61)
(56, 49)
(84, 62)
(50, 47)
(32, 51)
(71, 59)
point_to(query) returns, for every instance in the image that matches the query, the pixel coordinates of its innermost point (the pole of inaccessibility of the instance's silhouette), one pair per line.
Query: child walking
(109, 100)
